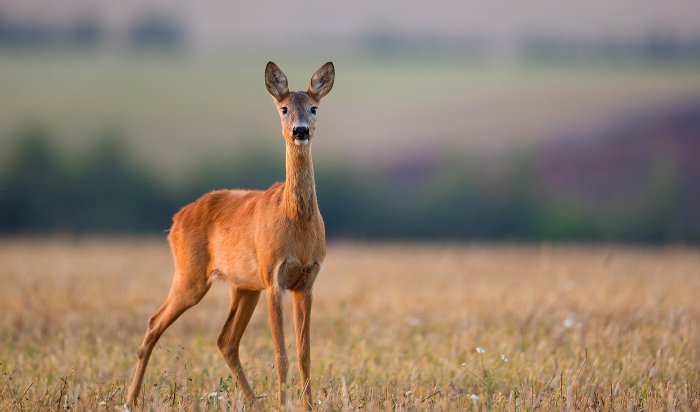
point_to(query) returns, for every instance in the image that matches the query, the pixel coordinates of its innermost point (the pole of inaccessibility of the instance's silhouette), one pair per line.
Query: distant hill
(645, 167)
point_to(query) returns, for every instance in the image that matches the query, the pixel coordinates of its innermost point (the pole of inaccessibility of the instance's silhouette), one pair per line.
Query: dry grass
(394, 327)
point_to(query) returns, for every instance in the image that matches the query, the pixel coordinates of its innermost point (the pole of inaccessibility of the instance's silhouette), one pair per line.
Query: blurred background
(538, 120)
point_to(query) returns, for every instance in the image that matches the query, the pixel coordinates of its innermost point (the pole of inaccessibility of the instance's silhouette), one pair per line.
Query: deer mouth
(301, 141)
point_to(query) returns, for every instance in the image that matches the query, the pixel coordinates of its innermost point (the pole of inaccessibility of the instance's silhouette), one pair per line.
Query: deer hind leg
(183, 295)
(243, 304)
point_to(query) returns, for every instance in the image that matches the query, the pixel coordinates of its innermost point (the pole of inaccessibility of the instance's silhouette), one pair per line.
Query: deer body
(272, 240)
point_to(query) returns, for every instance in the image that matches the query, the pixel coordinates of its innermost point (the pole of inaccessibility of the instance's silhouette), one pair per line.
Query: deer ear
(276, 81)
(322, 81)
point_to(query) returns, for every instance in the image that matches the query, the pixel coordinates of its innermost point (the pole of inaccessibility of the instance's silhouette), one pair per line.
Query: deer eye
(313, 110)
(284, 110)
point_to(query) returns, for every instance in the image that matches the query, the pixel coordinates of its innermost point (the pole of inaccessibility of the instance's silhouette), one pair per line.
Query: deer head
(298, 110)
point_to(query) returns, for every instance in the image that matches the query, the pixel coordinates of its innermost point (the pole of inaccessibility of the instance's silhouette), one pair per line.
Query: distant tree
(156, 32)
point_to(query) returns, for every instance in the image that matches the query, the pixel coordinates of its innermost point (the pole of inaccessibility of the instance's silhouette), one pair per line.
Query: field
(394, 327)
(216, 109)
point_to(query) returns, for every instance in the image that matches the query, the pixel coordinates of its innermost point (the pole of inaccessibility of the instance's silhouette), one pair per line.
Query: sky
(215, 26)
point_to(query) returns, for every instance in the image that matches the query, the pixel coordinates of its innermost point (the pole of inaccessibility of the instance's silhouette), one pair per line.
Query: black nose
(301, 132)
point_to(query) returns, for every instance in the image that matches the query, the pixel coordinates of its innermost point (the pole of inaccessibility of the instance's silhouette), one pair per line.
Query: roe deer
(272, 240)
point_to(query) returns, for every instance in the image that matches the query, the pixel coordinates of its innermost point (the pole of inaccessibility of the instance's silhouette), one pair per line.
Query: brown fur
(272, 240)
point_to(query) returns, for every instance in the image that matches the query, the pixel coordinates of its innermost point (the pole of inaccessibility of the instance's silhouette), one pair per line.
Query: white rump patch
(215, 275)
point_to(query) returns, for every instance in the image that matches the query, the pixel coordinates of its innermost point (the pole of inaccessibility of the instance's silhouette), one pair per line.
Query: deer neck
(299, 199)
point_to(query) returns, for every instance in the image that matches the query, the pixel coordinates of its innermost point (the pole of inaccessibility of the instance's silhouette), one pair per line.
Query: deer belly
(241, 272)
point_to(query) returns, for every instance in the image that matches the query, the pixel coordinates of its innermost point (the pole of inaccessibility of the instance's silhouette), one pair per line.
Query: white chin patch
(301, 142)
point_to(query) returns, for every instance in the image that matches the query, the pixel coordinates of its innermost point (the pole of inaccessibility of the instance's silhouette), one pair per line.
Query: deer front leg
(302, 327)
(274, 308)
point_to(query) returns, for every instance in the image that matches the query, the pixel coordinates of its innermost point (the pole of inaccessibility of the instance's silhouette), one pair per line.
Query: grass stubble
(395, 327)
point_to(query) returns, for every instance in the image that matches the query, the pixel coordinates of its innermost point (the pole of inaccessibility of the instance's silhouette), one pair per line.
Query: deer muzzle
(301, 134)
